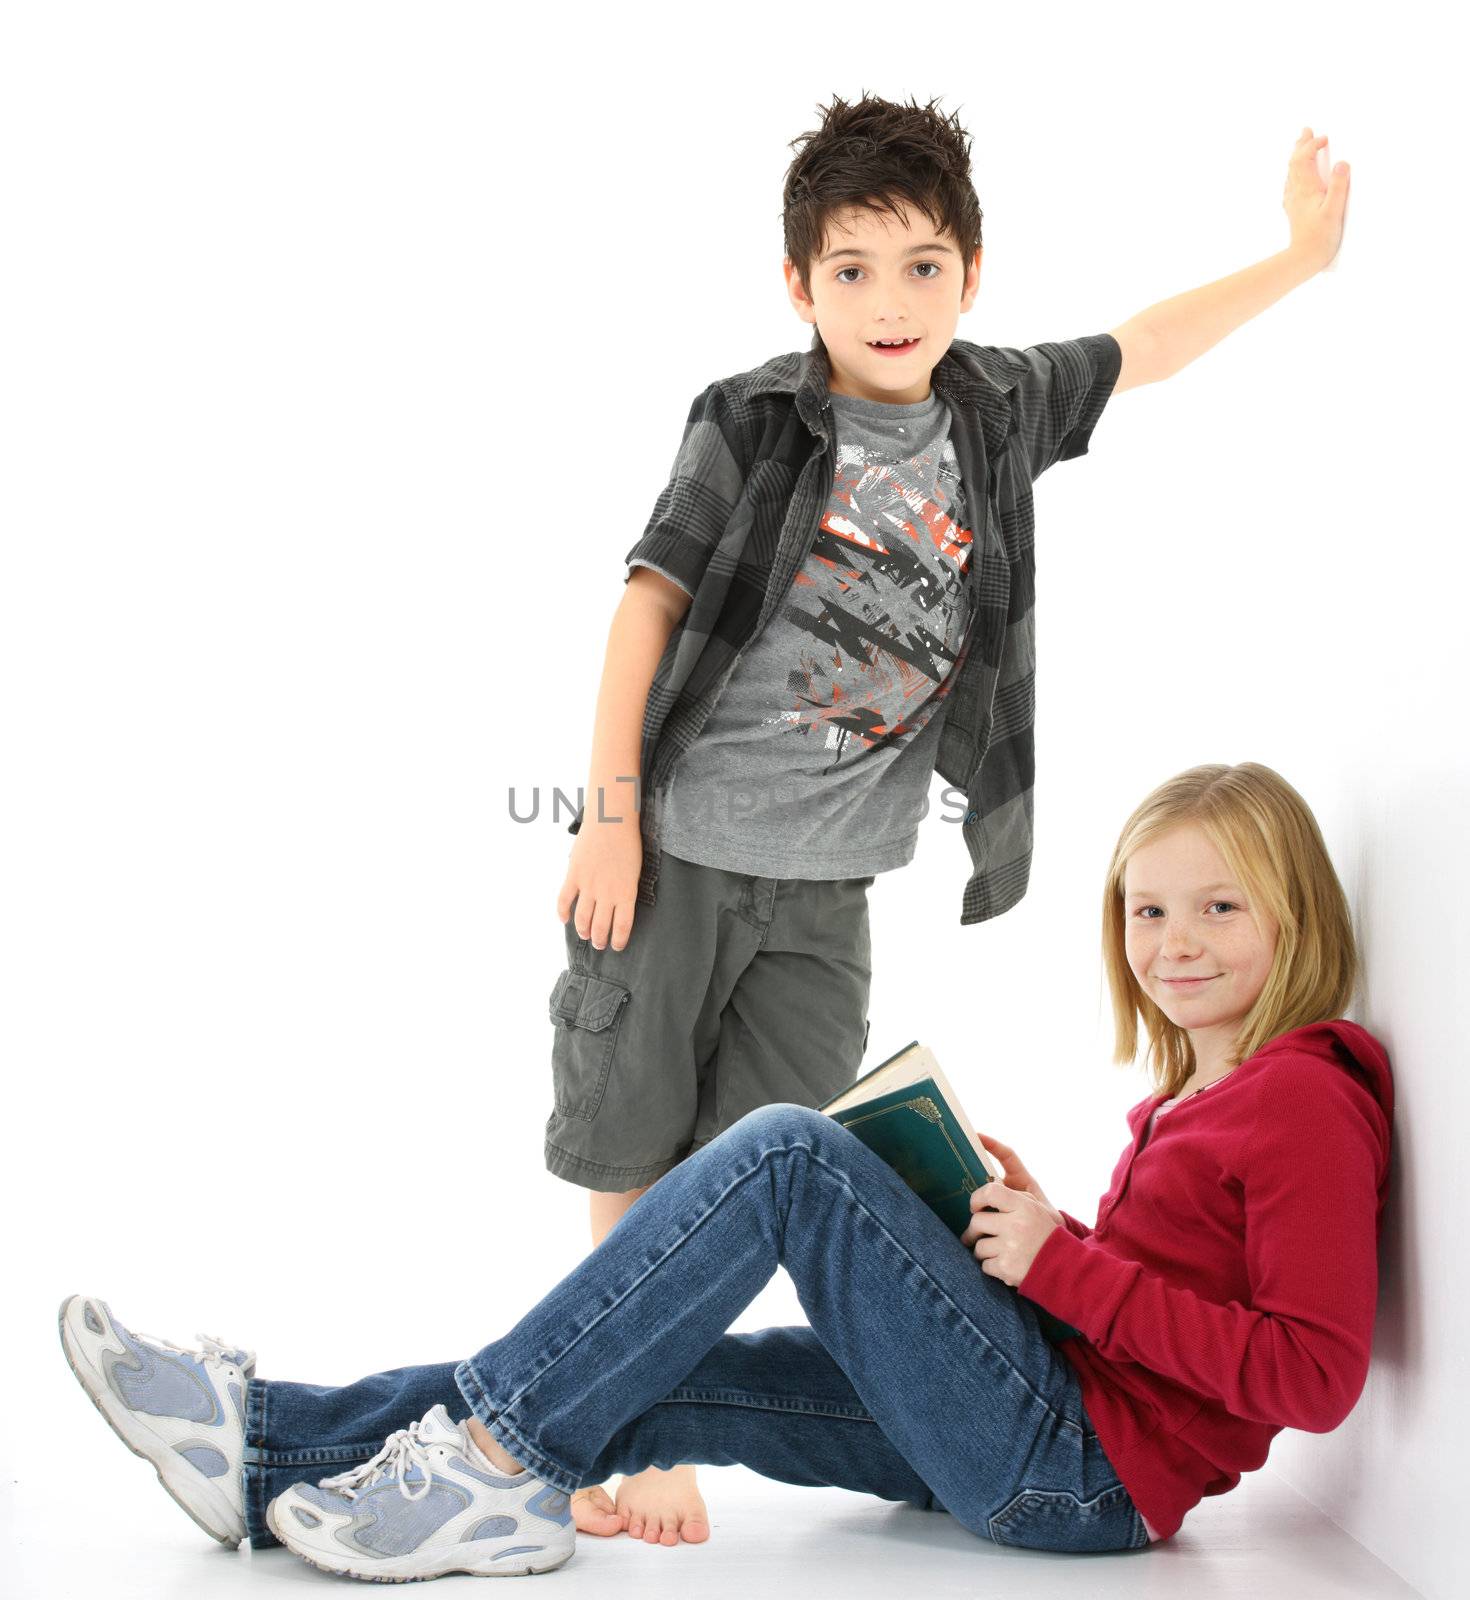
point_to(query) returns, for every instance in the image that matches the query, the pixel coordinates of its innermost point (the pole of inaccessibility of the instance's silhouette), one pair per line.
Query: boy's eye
(928, 276)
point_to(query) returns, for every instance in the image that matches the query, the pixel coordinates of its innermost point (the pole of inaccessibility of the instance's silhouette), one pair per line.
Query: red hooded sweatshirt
(1229, 1286)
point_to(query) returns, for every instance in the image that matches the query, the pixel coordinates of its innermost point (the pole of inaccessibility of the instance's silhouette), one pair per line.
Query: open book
(905, 1111)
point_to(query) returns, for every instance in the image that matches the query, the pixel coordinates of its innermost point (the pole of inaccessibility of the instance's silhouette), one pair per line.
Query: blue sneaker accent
(491, 1528)
(387, 1523)
(210, 1462)
(551, 1504)
(328, 1499)
(160, 1384)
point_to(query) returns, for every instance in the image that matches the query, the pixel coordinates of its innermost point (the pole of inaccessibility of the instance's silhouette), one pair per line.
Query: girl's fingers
(1014, 1168)
(976, 1227)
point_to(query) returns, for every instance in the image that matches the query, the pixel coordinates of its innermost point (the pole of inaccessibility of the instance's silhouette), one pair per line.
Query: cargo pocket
(587, 1011)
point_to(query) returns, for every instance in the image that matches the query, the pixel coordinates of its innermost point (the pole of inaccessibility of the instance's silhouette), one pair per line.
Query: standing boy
(832, 600)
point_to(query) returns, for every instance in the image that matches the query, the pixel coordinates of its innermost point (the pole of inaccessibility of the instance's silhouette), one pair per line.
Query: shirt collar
(962, 376)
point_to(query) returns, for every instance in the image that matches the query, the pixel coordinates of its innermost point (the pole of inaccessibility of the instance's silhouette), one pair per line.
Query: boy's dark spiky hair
(880, 155)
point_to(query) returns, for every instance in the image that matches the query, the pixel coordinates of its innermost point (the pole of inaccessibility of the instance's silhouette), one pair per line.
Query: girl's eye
(1146, 912)
(1229, 905)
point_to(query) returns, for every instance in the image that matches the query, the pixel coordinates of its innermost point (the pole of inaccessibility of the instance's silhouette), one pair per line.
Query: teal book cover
(914, 1130)
(919, 1137)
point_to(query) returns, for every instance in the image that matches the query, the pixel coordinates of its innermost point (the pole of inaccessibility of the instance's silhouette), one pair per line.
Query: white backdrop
(345, 350)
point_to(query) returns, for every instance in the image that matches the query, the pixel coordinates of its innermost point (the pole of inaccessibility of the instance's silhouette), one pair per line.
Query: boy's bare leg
(655, 1506)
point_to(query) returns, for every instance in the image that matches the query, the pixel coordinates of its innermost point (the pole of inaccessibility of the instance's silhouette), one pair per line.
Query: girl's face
(1199, 950)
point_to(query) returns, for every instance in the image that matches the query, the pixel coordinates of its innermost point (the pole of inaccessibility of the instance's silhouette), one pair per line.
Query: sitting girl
(1226, 1291)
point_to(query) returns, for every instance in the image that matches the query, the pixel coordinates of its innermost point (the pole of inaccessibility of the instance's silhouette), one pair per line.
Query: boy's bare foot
(664, 1507)
(594, 1512)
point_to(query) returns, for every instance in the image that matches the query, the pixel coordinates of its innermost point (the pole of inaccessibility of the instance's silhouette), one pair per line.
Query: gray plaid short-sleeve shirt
(740, 512)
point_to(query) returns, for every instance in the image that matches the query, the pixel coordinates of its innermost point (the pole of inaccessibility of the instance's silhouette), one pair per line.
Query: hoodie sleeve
(1075, 1226)
(1296, 1355)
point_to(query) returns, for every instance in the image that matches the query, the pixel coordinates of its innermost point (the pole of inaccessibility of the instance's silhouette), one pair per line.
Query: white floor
(1263, 1540)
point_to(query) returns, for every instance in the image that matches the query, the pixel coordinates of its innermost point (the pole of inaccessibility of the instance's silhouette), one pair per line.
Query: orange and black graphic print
(880, 603)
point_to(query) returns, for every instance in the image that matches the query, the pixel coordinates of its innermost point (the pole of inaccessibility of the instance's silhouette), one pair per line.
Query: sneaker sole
(402, 1564)
(206, 1507)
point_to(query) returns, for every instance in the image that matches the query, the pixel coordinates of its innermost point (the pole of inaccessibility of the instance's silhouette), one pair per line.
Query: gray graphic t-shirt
(817, 758)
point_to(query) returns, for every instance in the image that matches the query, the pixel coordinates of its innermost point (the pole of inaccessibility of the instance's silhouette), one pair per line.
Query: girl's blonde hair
(1272, 844)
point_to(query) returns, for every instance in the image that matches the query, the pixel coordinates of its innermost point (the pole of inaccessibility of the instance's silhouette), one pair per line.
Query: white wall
(347, 348)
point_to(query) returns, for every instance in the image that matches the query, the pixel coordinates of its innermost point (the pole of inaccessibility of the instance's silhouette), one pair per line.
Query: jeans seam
(315, 1456)
(253, 1481)
(763, 1402)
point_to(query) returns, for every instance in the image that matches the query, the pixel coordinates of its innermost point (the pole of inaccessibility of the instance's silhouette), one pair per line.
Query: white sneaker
(183, 1410)
(427, 1504)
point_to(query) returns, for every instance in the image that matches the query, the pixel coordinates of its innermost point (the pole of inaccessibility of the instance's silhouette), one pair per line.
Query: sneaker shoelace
(214, 1351)
(400, 1451)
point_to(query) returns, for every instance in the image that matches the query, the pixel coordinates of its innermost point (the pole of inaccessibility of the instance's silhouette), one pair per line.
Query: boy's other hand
(602, 881)
(1016, 1175)
(1313, 208)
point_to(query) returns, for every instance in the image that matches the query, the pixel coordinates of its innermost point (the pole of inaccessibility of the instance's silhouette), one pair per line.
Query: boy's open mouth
(892, 349)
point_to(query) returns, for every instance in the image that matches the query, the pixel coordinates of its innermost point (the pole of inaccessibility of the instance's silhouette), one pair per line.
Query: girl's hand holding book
(1007, 1230)
(1016, 1175)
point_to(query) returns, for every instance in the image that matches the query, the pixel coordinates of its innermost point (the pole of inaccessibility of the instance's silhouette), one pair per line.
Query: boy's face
(877, 277)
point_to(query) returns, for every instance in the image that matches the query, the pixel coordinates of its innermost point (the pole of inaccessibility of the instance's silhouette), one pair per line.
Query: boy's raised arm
(602, 874)
(1168, 336)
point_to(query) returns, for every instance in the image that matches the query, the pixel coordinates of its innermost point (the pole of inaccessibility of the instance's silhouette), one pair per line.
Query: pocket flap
(586, 1001)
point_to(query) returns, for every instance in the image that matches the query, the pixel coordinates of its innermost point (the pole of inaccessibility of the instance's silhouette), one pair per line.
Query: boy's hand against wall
(1314, 209)
(602, 880)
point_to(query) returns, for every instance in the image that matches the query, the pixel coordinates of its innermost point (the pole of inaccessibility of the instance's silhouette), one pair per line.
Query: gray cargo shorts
(734, 992)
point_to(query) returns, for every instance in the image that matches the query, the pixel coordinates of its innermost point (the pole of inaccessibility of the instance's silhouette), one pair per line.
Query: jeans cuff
(485, 1407)
(253, 1473)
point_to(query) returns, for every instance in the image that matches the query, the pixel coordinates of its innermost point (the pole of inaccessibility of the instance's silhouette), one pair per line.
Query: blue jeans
(920, 1378)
